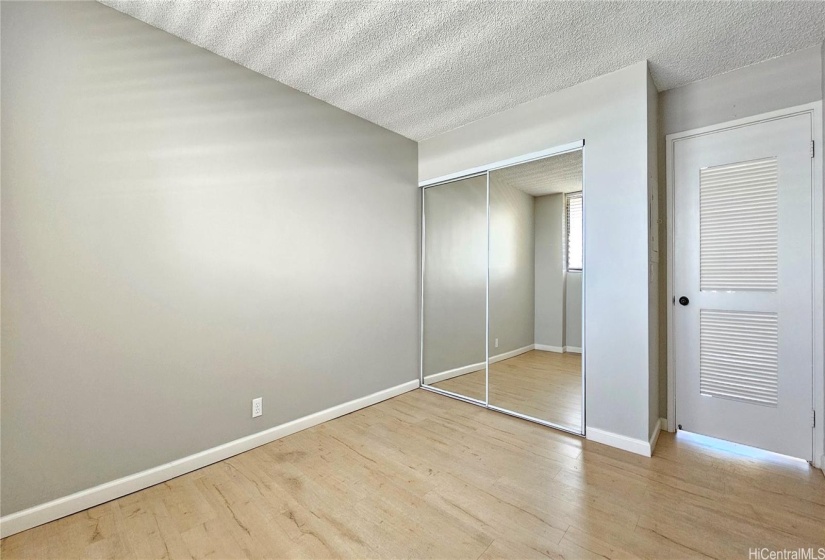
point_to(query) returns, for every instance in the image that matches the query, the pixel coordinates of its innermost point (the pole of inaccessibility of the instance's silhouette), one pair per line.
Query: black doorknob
(683, 300)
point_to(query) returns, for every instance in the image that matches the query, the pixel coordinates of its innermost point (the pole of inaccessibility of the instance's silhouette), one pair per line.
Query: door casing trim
(815, 110)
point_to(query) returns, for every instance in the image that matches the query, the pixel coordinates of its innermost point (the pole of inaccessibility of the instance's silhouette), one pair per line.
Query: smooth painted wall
(653, 255)
(512, 268)
(549, 269)
(180, 235)
(558, 292)
(573, 309)
(455, 275)
(610, 113)
(779, 83)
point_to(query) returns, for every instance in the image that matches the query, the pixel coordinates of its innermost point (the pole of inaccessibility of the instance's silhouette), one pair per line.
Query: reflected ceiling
(557, 174)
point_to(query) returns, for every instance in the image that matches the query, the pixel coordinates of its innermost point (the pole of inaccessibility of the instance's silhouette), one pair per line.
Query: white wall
(822, 92)
(610, 113)
(787, 81)
(654, 261)
(180, 235)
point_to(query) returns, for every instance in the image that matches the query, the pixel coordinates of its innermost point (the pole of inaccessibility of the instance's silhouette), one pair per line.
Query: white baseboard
(548, 348)
(637, 446)
(558, 349)
(61, 507)
(657, 429)
(450, 373)
(512, 353)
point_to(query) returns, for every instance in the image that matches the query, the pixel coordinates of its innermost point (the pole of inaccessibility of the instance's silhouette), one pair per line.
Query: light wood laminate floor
(426, 476)
(544, 385)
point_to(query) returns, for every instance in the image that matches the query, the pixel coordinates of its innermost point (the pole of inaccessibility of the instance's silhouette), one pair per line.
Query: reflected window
(573, 247)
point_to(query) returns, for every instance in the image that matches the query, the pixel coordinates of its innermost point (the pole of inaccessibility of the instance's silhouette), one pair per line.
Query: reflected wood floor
(426, 476)
(544, 385)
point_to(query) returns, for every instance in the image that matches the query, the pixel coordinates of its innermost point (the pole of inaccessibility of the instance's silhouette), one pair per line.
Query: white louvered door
(743, 259)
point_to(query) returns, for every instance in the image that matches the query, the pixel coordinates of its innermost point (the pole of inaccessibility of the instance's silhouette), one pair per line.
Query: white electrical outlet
(496, 343)
(257, 407)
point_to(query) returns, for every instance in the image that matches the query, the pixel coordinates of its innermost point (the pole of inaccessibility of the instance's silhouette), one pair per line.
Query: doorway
(745, 214)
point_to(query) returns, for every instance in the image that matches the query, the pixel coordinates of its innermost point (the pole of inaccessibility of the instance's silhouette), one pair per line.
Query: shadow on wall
(180, 235)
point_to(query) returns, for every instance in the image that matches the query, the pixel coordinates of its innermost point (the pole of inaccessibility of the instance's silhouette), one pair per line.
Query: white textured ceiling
(555, 174)
(424, 67)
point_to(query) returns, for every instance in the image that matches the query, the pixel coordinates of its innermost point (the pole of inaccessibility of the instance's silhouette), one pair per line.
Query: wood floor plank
(425, 476)
(543, 385)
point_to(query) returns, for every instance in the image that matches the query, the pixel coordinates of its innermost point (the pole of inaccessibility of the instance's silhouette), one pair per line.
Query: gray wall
(783, 82)
(180, 235)
(610, 112)
(512, 268)
(549, 283)
(573, 309)
(455, 274)
(558, 293)
(822, 73)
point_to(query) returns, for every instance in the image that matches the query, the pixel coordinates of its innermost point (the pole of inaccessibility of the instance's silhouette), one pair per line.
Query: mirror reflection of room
(455, 285)
(535, 333)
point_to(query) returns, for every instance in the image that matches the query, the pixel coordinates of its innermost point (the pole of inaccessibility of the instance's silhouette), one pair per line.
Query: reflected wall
(455, 287)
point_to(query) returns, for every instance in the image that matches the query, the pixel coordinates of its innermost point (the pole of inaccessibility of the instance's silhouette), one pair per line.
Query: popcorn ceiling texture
(557, 174)
(421, 68)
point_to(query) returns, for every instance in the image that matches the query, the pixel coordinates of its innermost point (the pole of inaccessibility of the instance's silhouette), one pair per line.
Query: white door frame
(815, 110)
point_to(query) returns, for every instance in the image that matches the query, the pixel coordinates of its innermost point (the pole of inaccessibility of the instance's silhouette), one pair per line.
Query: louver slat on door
(739, 356)
(739, 234)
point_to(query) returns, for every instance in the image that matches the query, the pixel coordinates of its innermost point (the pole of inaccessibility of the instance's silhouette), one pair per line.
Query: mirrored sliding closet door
(454, 357)
(536, 270)
(503, 303)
